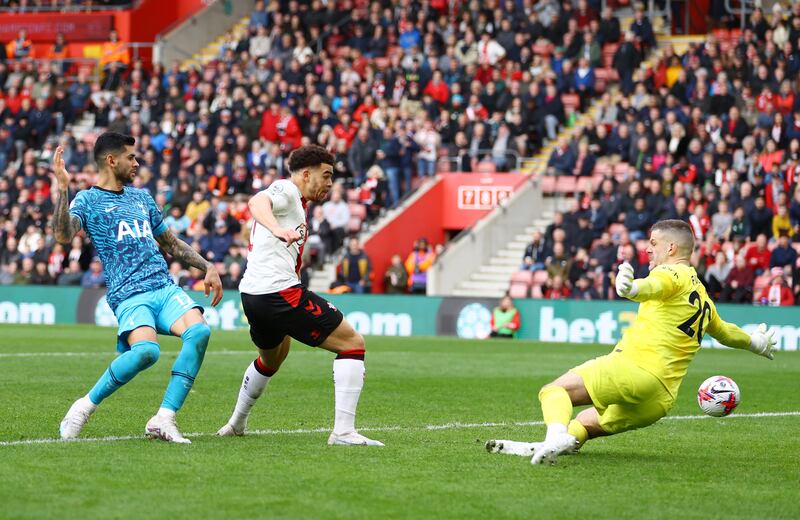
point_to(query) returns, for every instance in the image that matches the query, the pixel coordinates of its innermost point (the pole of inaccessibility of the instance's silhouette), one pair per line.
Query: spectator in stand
(584, 290)
(94, 278)
(716, 274)
(738, 287)
(396, 278)
(417, 264)
(429, 141)
(560, 263)
(760, 219)
(362, 155)
(556, 289)
(320, 239)
(389, 155)
(337, 213)
(783, 254)
(536, 253)
(562, 159)
(505, 319)
(215, 245)
(758, 255)
(781, 224)
(777, 293)
(356, 268)
(114, 53)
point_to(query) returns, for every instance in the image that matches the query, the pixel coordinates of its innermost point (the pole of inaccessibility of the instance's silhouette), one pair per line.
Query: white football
(718, 396)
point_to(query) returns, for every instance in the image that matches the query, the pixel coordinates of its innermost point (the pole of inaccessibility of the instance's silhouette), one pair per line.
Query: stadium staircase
(494, 278)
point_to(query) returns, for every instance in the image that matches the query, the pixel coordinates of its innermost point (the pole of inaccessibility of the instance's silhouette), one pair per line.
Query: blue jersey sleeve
(156, 218)
(78, 208)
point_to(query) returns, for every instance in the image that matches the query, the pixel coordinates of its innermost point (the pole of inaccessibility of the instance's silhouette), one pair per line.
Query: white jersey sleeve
(272, 266)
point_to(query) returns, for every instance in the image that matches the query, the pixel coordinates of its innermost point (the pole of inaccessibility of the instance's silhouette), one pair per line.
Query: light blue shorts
(157, 309)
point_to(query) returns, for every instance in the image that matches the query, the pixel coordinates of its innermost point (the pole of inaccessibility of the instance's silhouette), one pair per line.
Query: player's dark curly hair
(306, 156)
(111, 143)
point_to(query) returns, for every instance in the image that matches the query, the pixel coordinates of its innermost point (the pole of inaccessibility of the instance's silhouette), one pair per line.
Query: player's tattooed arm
(64, 225)
(182, 252)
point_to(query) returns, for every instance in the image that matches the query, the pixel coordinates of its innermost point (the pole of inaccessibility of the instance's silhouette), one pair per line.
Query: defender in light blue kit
(127, 229)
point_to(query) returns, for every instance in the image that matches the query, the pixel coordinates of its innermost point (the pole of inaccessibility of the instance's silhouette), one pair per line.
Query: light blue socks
(142, 355)
(186, 367)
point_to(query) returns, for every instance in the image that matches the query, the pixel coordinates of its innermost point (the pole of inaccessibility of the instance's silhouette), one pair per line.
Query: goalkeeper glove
(626, 287)
(762, 342)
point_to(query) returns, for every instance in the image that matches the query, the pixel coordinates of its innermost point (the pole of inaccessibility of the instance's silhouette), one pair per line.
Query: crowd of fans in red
(398, 90)
(711, 137)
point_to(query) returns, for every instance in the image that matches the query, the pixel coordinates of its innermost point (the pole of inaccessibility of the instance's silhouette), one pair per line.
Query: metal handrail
(450, 159)
(743, 10)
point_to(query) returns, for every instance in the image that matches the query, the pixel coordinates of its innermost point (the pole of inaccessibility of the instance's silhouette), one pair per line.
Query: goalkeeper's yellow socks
(577, 430)
(556, 409)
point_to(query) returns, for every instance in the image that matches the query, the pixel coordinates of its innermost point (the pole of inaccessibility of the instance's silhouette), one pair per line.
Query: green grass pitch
(433, 401)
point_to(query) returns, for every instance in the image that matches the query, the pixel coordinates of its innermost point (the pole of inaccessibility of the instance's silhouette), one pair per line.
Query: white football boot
(559, 444)
(351, 439)
(77, 415)
(521, 449)
(229, 431)
(165, 429)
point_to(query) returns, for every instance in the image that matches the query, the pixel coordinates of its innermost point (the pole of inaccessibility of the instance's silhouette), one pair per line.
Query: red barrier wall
(152, 17)
(468, 197)
(455, 202)
(422, 218)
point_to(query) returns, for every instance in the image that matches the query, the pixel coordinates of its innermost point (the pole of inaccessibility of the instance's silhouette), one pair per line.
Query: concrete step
(509, 253)
(498, 269)
(482, 285)
(506, 260)
(520, 244)
(467, 293)
(490, 277)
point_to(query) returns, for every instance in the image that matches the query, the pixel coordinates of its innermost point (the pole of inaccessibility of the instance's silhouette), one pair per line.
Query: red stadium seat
(358, 210)
(609, 50)
(354, 225)
(486, 167)
(571, 100)
(548, 184)
(522, 276)
(536, 292)
(566, 184)
(540, 277)
(518, 290)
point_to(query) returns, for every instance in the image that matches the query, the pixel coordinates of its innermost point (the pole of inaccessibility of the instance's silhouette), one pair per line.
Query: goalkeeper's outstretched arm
(730, 335)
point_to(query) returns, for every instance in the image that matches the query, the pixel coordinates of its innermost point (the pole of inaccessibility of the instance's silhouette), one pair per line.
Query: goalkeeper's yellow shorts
(626, 397)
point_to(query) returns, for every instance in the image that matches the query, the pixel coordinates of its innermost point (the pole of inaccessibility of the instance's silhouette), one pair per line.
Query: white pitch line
(428, 427)
(113, 353)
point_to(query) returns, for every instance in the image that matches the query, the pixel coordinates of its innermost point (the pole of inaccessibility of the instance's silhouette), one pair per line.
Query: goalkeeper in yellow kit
(636, 384)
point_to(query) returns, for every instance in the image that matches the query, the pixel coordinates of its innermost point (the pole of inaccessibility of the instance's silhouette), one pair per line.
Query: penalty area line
(427, 427)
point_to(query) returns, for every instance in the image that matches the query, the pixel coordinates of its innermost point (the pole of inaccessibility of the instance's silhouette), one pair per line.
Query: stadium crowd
(711, 137)
(398, 90)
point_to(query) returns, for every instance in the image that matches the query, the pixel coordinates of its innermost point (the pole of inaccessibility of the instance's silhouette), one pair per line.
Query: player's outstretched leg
(557, 400)
(255, 380)
(186, 367)
(348, 380)
(142, 355)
